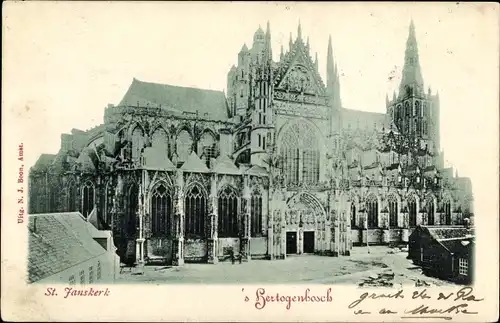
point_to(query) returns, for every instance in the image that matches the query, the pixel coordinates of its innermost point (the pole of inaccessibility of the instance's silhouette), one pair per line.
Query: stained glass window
(195, 212)
(161, 212)
(412, 210)
(372, 209)
(299, 143)
(87, 199)
(430, 211)
(228, 212)
(393, 211)
(447, 212)
(256, 213)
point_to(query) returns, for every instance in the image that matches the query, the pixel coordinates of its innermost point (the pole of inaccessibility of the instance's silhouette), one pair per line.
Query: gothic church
(277, 166)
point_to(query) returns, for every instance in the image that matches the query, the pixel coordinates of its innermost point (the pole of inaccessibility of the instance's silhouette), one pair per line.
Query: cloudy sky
(64, 62)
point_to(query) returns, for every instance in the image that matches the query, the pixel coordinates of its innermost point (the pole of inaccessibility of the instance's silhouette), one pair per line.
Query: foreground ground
(380, 267)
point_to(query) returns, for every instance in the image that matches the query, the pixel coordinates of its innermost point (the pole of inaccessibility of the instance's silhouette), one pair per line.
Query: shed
(444, 252)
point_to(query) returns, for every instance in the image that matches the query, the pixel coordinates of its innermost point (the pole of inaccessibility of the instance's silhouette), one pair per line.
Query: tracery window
(207, 147)
(72, 197)
(159, 141)
(353, 215)
(88, 196)
(256, 213)
(228, 212)
(412, 211)
(417, 108)
(393, 211)
(184, 145)
(447, 212)
(407, 109)
(300, 150)
(108, 201)
(430, 211)
(132, 205)
(137, 143)
(161, 212)
(372, 209)
(195, 209)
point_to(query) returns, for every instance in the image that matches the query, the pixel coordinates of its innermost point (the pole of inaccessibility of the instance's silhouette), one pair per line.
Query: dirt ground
(377, 266)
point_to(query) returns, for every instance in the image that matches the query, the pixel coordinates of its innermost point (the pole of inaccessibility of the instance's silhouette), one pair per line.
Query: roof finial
(291, 42)
(316, 61)
(307, 46)
(281, 54)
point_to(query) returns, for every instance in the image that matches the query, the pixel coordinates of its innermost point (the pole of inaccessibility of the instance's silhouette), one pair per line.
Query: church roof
(44, 161)
(224, 165)
(194, 164)
(184, 99)
(356, 119)
(157, 159)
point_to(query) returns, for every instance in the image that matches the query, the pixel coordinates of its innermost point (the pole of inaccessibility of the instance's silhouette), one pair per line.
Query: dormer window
(418, 179)
(399, 179)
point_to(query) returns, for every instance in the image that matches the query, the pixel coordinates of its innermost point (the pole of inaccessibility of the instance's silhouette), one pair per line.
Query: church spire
(299, 31)
(412, 82)
(330, 72)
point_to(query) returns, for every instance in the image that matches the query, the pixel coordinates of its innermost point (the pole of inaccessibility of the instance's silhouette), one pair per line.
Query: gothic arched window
(417, 108)
(407, 109)
(159, 141)
(228, 212)
(195, 212)
(108, 201)
(412, 211)
(430, 211)
(372, 210)
(131, 209)
(184, 145)
(137, 143)
(300, 151)
(353, 215)
(447, 212)
(256, 213)
(88, 196)
(207, 147)
(393, 211)
(72, 197)
(161, 212)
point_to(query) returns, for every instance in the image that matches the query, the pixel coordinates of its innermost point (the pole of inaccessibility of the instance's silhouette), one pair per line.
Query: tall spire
(330, 72)
(290, 43)
(299, 31)
(412, 82)
(268, 41)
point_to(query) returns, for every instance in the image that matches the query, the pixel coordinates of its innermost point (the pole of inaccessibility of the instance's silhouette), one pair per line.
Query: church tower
(415, 112)
(261, 96)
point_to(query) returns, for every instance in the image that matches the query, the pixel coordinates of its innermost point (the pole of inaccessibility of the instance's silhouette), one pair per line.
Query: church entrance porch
(308, 246)
(291, 243)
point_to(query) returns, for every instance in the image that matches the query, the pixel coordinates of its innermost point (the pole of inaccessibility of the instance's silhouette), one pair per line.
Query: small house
(444, 252)
(66, 248)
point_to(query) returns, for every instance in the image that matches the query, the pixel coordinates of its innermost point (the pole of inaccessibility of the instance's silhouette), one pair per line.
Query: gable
(297, 72)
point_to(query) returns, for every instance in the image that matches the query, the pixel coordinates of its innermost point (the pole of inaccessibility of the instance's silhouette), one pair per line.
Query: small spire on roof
(290, 42)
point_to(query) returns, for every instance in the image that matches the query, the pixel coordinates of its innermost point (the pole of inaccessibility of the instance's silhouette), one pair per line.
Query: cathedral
(275, 166)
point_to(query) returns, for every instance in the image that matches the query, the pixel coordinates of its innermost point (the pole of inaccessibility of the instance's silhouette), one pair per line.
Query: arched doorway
(305, 225)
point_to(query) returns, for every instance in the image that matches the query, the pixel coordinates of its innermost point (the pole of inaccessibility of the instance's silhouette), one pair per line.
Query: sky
(64, 62)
